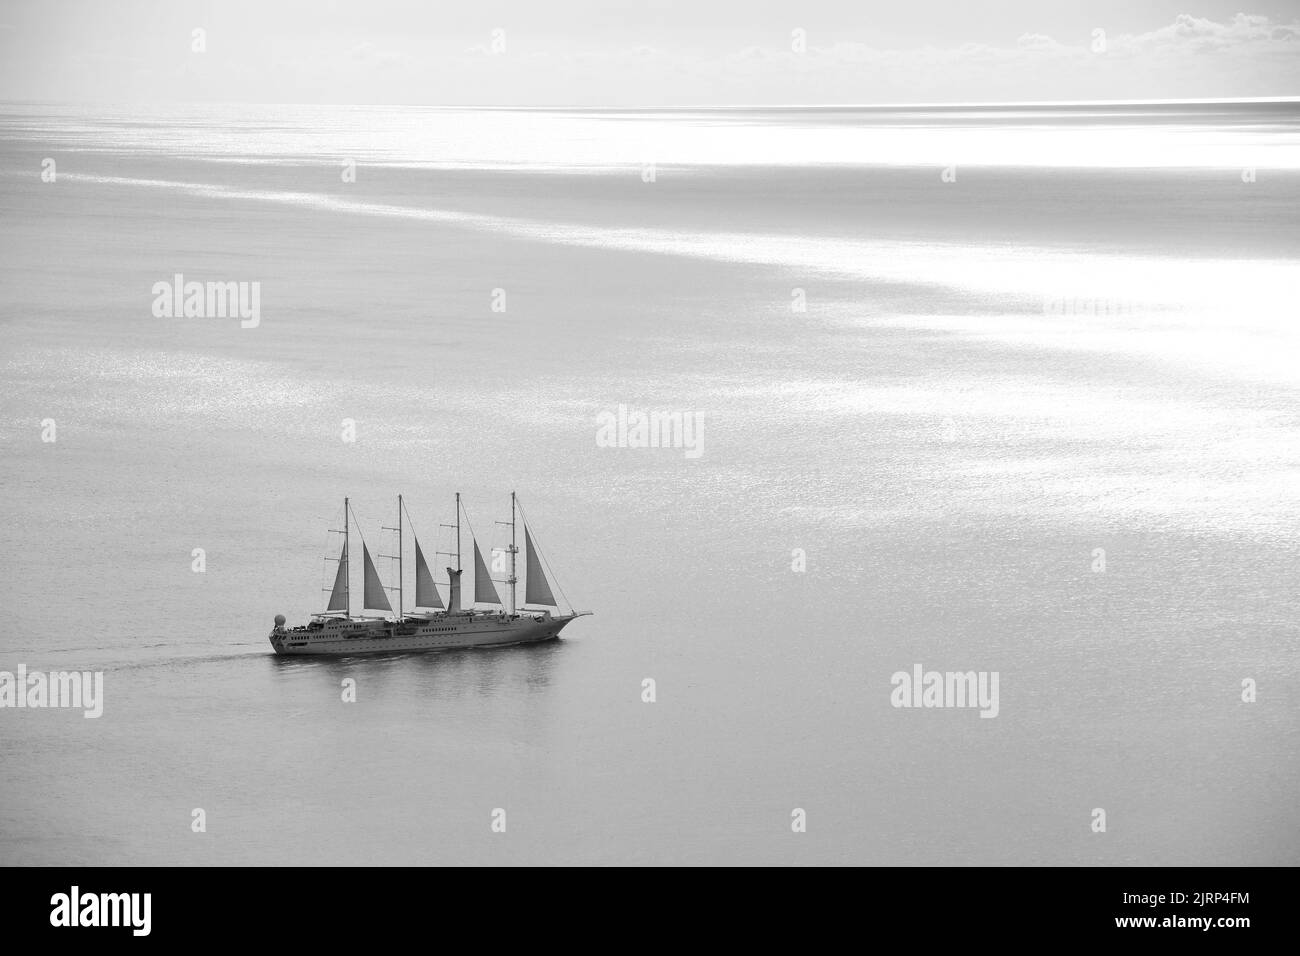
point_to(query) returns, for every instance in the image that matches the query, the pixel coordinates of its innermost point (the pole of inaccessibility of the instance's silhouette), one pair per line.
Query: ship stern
(277, 635)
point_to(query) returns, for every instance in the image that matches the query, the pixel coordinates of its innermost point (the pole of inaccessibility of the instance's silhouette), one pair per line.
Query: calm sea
(1017, 389)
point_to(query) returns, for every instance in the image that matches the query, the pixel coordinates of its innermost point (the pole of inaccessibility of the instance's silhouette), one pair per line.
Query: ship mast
(398, 556)
(457, 526)
(347, 557)
(513, 551)
(513, 579)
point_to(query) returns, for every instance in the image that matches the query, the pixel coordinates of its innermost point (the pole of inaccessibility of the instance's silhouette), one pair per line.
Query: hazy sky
(610, 52)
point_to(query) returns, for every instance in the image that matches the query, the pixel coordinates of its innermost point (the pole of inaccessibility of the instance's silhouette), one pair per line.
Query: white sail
(426, 592)
(485, 591)
(339, 596)
(376, 597)
(537, 590)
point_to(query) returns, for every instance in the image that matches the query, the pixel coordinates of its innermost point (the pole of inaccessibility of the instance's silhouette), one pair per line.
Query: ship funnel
(453, 595)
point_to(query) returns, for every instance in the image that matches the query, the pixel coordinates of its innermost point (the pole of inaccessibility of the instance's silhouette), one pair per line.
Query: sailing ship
(431, 624)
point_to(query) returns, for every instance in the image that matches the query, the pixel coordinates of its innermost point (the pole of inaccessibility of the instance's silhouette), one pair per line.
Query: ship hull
(345, 638)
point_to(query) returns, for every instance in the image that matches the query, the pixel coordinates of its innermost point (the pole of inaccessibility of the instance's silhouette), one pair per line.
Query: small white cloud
(1189, 35)
(1039, 42)
(371, 55)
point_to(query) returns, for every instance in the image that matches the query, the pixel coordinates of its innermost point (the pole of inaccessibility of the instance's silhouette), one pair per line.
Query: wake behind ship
(432, 625)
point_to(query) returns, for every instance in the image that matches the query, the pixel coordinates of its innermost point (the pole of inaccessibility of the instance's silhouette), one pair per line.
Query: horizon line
(987, 104)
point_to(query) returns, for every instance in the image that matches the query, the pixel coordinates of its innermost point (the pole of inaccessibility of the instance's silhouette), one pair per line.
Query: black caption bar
(141, 907)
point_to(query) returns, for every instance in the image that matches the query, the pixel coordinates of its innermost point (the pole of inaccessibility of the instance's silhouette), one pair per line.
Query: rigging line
(358, 523)
(538, 549)
(325, 562)
(449, 530)
(366, 548)
(411, 521)
(326, 584)
(498, 528)
(465, 512)
(474, 538)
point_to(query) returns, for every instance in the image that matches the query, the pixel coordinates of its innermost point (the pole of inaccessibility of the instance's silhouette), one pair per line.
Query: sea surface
(1017, 389)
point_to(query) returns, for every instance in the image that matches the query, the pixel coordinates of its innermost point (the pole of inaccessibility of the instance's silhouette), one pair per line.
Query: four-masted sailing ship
(431, 624)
